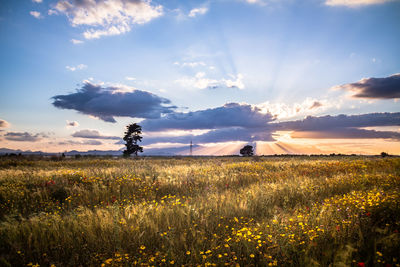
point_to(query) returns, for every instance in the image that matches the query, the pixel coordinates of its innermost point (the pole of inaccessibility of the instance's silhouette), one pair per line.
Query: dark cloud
(72, 124)
(93, 134)
(4, 124)
(316, 104)
(86, 142)
(216, 136)
(229, 115)
(243, 122)
(381, 88)
(347, 133)
(23, 137)
(258, 129)
(342, 126)
(235, 134)
(340, 121)
(105, 103)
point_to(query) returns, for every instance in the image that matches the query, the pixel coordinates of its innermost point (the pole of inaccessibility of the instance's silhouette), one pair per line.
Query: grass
(319, 211)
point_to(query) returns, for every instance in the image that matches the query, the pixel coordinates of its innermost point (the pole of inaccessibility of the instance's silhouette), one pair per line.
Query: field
(272, 211)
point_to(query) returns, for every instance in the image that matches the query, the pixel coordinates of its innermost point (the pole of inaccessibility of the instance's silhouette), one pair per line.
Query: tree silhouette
(247, 151)
(132, 136)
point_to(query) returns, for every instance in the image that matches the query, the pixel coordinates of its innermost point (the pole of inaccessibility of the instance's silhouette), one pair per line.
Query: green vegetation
(339, 211)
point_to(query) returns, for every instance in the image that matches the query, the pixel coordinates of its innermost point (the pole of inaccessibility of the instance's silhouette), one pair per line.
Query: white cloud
(113, 30)
(112, 17)
(198, 11)
(258, 2)
(52, 12)
(200, 81)
(74, 68)
(238, 82)
(36, 14)
(190, 64)
(305, 108)
(75, 41)
(37, 1)
(130, 78)
(354, 3)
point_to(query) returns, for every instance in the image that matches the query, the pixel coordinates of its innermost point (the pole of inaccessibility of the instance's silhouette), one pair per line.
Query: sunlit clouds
(4, 124)
(201, 81)
(354, 3)
(35, 14)
(105, 18)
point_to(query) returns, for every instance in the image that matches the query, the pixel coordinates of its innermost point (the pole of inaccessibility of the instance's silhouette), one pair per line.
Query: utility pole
(191, 148)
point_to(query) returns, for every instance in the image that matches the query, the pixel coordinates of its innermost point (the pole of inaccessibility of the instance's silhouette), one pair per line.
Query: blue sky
(288, 59)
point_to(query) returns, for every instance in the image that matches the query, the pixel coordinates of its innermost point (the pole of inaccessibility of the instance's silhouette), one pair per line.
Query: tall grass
(200, 211)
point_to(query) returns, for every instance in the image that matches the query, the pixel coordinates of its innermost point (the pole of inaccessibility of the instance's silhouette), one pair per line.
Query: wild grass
(200, 211)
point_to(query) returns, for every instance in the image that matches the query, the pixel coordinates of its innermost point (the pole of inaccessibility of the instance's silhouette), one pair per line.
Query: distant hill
(4, 151)
(170, 151)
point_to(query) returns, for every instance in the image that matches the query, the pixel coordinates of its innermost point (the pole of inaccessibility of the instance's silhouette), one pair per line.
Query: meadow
(255, 211)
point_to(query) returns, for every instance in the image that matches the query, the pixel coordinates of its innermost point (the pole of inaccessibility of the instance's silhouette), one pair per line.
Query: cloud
(347, 133)
(284, 111)
(112, 17)
(75, 41)
(254, 1)
(197, 11)
(312, 123)
(200, 81)
(23, 137)
(229, 115)
(4, 124)
(85, 142)
(36, 14)
(228, 134)
(74, 68)
(378, 88)
(105, 103)
(190, 64)
(72, 124)
(354, 3)
(342, 126)
(37, 1)
(93, 134)
(249, 123)
(236, 83)
(52, 12)
(130, 78)
(316, 104)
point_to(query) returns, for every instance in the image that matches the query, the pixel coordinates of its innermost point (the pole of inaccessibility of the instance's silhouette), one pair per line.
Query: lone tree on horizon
(132, 136)
(247, 151)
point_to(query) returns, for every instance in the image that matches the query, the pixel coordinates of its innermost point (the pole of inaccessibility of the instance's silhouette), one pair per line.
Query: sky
(288, 76)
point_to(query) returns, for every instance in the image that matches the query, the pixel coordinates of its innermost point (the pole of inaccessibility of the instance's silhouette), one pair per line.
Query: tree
(132, 136)
(247, 151)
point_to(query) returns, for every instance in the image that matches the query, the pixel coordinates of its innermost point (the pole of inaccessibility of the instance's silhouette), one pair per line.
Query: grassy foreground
(200, 211)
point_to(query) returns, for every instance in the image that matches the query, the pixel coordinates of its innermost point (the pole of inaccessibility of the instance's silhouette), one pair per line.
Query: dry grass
(200, 211)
